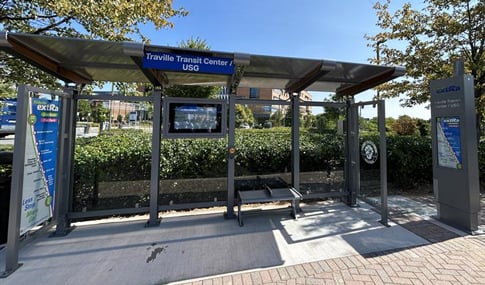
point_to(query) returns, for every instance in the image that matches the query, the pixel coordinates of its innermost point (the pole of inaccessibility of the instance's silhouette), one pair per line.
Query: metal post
(381, 115)
(347, 147)
(459, 68)
(12, 249)
(64, 160)
(295, 140)
(231, 152)
(353, 151)
(155, 171)
(72, 146)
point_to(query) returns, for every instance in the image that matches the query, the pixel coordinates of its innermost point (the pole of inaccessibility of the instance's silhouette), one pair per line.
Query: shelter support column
(65, 158)
(13, 242)
(155, 170)
(295, 140)
(72, 147)
(352, 151)
(381, 115)
(231, 153)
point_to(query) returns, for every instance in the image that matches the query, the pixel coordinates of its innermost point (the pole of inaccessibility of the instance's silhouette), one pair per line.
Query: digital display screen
(194, 117)
(184, 117)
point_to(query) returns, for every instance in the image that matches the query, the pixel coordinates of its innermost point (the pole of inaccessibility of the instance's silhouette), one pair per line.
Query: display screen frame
(194, 118)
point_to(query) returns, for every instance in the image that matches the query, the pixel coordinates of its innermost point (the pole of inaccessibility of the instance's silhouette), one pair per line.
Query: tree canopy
(427, 39)
(93, 19)
(404, 126)
(244, 116)
(7, 91)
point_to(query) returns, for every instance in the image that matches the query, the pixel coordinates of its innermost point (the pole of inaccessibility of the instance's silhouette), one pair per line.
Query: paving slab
(194, 246)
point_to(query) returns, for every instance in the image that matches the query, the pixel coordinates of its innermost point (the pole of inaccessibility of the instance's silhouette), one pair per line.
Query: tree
(101, 19)
(83, 108)
(328, 120)
(7, 91)
(99, 113)
(369, 124)
(277, 118)
(389, 122)
(308, 120)
(427, 42)
(424, 127)
(322, 122)
(334, 114)
(244, 115)
(404, 126)
(193, 91)
(288, 118)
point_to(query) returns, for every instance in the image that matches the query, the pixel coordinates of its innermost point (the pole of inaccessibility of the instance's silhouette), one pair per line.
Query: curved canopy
(85, 61)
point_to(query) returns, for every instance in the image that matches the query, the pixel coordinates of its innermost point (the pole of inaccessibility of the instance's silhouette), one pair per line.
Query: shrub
(112, 156)
(481, 161)
(126, 156)
(409, 160)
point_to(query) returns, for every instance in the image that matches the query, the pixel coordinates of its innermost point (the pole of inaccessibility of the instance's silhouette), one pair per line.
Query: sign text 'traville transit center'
(188, 63)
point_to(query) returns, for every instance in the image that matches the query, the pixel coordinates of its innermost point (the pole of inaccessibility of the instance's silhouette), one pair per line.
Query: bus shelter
(78, 62)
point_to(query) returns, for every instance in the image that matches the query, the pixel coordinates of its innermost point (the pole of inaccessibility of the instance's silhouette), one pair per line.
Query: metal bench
(268, 195)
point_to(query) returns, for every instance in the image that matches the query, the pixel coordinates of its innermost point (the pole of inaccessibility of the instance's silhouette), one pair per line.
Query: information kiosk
(455, 160)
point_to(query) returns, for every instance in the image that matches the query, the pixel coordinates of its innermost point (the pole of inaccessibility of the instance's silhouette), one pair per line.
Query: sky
(330, 29)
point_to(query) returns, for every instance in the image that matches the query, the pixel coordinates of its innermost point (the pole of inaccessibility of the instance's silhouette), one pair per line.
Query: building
(119, 109)
(263, 113)
(123, 111)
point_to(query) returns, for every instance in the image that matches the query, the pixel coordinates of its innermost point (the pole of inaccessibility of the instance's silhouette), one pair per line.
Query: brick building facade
(263, 112)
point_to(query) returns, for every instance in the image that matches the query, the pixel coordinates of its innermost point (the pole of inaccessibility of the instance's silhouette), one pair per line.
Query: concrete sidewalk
(330, 243)
(450, 257)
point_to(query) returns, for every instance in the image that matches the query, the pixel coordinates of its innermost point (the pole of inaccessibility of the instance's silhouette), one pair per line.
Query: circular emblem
(369, 152)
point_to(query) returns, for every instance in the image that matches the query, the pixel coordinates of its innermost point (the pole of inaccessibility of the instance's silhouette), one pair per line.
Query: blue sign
(188, 63)
(40, 162)
(449, 142)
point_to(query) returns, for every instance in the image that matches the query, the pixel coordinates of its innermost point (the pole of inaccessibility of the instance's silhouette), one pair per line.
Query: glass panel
(322, 148)
(112, 155)
(263, 155)
(370, 184)
(193, 170)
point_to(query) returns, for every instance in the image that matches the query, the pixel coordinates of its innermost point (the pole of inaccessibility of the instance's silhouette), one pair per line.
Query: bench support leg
(239, 215)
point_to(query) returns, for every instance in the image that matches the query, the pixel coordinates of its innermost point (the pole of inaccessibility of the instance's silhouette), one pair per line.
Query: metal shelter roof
(85, 61)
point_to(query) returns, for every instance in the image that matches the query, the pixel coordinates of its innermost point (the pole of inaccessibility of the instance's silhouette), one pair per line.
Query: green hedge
(126, 156)
(409, 161)
(111, 156)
